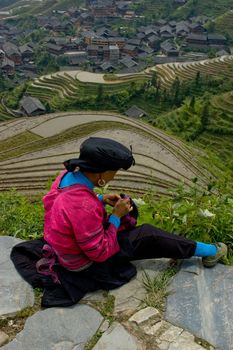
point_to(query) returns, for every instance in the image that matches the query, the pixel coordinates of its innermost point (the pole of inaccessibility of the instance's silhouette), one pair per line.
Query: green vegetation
(18, 140)
(223, 24)
(204, 216)
(20, 216)
(91, 343)
(200, 215)
(156, 288)
(200, 8)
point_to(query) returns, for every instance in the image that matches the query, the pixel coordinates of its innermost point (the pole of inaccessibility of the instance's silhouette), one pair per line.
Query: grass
(91, 343)
(156, 288)
(18, 140)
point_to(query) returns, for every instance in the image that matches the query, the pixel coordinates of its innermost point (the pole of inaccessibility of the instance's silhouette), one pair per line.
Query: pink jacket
(76, 226)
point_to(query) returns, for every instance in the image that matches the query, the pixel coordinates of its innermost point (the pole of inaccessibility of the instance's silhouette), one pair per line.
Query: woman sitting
(84, 248)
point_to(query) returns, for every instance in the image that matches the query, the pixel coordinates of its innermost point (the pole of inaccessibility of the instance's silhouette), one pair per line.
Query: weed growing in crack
(156, 288)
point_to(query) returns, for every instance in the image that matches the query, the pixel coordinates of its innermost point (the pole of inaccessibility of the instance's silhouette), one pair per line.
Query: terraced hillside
(75, 85)
(33, 149)
(216, 67)
(35, 7)
(217, 134)
(224, 23)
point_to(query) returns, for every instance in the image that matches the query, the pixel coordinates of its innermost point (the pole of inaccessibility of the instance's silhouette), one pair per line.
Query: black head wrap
(99, 154)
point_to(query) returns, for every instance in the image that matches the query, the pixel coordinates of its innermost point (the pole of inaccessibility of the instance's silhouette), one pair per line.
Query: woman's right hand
(122, 207)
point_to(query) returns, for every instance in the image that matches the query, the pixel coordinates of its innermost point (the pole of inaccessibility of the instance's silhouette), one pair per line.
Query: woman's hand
(111, 199)
(122, 207)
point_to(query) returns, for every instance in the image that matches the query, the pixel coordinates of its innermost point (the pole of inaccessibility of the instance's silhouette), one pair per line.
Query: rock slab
(15, 293)
(117, 338)
(201, 301)
(58, 329)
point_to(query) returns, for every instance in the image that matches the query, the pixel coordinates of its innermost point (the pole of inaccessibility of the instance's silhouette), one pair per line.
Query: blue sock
(203, 249)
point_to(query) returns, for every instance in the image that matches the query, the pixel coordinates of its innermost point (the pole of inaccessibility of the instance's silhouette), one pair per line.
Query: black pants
(149, 242)
(142, 242)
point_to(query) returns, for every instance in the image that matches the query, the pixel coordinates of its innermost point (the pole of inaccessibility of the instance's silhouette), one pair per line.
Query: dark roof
(201, 37)
(196, 25)
(130, 47)
(216, 37)
(153, 38)
(146, 49)
(31, 104)
(106, 65)
(10, 49)
(25, 48)
(168, 46)
(182, 27)
(54, 47)
(134, 41)
(7, 62)
(135, 112)
(166, 28)
(128, 62)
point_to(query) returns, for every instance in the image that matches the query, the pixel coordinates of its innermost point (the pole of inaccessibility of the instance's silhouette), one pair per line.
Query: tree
(154, 79)
(197, 79)
(99, 96)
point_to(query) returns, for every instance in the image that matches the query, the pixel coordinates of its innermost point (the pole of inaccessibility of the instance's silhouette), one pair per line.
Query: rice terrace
(33, 149)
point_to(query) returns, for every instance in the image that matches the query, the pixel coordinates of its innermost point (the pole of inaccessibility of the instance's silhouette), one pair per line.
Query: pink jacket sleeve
(97, 243)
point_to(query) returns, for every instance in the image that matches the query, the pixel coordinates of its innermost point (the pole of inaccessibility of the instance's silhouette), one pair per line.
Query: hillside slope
(224, 23)
(202, 7)
(33, 150)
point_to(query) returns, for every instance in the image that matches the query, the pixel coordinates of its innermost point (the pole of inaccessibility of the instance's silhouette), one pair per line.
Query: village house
(135, 112)
(197, 40)
(75, 57)
(103, 9)
(197, 28)
(31, 106)
(119, 41)
(26, 52)
(54, 49)
(166, 32)
(8, 67)
(182, 30)
(114, 53)
(107, 67)
(12, 52)
(153, 41)
(130, 50)
(169, 49)
(92, 50)
(128, 62)
(217, 40)
(87, 37)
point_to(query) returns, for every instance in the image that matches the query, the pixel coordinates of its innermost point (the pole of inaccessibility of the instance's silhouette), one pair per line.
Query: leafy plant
(203, 216)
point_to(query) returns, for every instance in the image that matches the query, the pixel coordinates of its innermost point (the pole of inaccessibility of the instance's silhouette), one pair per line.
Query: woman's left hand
(111, 198)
